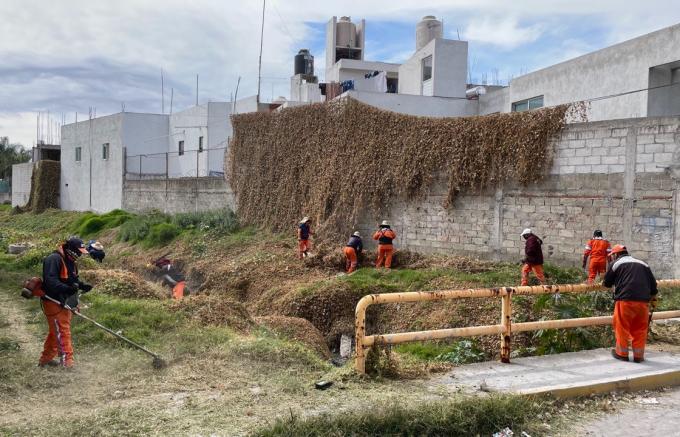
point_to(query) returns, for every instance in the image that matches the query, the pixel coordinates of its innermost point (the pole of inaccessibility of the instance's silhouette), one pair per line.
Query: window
(105, 151)
(427, 68)
(79, 154)
(181, 148)
(200, 144)
(528, 104)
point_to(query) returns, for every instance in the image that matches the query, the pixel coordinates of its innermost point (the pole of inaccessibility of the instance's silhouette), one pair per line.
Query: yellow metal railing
(504, 328)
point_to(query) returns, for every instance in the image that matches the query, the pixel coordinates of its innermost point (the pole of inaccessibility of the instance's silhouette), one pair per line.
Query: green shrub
(224, 220)
(161, 234)
(137, 228)
(91, 223)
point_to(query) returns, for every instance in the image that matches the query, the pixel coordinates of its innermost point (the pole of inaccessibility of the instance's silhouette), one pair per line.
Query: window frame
(425, 68)
(526, 104)
(200, 144)
(106, 148)
(180, 148)
(79, 154)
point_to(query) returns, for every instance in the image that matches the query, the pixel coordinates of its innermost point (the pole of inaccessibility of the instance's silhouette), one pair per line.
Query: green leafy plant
(464, 352)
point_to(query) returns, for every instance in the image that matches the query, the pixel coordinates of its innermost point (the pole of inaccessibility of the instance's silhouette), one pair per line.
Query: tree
(11, 154)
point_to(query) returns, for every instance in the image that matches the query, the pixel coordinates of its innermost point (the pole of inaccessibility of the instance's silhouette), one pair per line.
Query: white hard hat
(527, 231)
(385, 223)
(304, 220)
(357, 234)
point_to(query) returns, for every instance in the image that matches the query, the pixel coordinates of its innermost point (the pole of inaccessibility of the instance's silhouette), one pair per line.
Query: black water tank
(304, 63)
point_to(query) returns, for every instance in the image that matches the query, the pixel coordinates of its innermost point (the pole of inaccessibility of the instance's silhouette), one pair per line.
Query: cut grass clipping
(468, 417)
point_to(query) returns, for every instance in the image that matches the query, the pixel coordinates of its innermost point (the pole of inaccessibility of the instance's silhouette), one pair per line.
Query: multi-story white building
(97, 154)
(636, 78)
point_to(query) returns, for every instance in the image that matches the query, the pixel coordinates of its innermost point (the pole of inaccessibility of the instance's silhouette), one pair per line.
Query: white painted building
(636, 78)
(97, 154)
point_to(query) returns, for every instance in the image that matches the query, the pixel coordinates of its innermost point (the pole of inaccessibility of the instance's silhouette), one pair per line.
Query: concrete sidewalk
(565, 375)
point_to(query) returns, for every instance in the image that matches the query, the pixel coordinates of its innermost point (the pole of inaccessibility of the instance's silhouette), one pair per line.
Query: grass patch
(223, 221)
(459, 352)
(90, 223)
(141, 320)
(161, 234)
(471, 416)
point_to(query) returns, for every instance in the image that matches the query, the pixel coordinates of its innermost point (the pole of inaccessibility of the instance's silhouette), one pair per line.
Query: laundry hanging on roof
(347, 85)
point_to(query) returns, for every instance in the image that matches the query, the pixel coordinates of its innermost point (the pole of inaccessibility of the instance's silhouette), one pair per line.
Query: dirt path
(16, 326)
(651, 415)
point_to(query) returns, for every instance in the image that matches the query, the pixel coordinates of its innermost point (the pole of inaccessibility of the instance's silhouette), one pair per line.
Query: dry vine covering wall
(334, 161)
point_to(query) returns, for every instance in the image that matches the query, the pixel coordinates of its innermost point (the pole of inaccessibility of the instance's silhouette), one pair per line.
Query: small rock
(18, 248)
(345, 346)
(256, 391)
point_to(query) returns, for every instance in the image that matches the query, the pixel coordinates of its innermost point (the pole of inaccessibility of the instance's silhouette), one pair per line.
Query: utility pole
(259, 66)
(196, 89)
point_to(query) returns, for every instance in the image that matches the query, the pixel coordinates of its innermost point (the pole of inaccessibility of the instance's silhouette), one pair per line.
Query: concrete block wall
(177, 195)
(21, 183)
(619, 176)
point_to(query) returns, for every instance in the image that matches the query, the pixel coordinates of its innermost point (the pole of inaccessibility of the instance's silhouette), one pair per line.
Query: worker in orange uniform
(303, 233)
(597, 249)
(61, 282)
(385, 235)
(352, 251)
(634, 293)
(533, 257)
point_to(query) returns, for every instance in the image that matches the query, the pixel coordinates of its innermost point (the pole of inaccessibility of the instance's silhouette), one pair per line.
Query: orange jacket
(597, 249)
(384, 236)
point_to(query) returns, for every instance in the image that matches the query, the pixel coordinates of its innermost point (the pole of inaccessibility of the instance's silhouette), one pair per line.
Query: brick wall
(618, 176)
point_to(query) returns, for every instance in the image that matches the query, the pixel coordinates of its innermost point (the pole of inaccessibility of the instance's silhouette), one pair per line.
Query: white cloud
(502, 32)
(65, 56)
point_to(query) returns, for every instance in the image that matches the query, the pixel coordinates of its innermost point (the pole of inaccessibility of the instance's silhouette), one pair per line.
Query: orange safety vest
(597, 249)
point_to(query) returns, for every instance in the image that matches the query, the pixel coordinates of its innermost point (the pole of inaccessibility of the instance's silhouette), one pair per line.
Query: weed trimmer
(32, 288)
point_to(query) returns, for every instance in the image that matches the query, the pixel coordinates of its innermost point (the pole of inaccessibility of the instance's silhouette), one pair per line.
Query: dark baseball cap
(76, 244)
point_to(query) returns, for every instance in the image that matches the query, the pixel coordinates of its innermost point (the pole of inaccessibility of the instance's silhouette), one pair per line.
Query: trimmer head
(159, 363)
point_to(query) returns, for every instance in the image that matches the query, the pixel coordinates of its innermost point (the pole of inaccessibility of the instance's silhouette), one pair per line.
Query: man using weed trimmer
(61, 283)
(58, 292)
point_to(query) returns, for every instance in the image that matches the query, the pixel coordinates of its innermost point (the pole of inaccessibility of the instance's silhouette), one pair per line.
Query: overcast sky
(69, 55)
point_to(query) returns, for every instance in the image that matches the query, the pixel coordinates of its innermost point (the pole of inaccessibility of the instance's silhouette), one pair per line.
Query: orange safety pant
(58, 339)
(385, 252)
(178, 290)
(631, 320)
(538, 271)
(303, 247)
(596, 266)
(350, 259)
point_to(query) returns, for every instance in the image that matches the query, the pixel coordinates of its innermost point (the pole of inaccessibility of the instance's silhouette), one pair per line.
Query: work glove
(85, 287)
(653, 302)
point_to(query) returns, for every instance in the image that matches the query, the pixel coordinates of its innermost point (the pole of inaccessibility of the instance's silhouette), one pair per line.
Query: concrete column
(674, 171)
(497, 230)
(629, 184)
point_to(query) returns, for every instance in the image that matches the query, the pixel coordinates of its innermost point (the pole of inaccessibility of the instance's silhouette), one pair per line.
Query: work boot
(638, 360)
(618, 357)
(51, 363)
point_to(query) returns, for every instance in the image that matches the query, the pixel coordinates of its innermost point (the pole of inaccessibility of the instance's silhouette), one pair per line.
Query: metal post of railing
(506, 321)
(505, 327)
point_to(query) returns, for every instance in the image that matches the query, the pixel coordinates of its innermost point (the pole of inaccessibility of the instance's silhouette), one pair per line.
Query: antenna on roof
(259, 64)
(162, 94)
